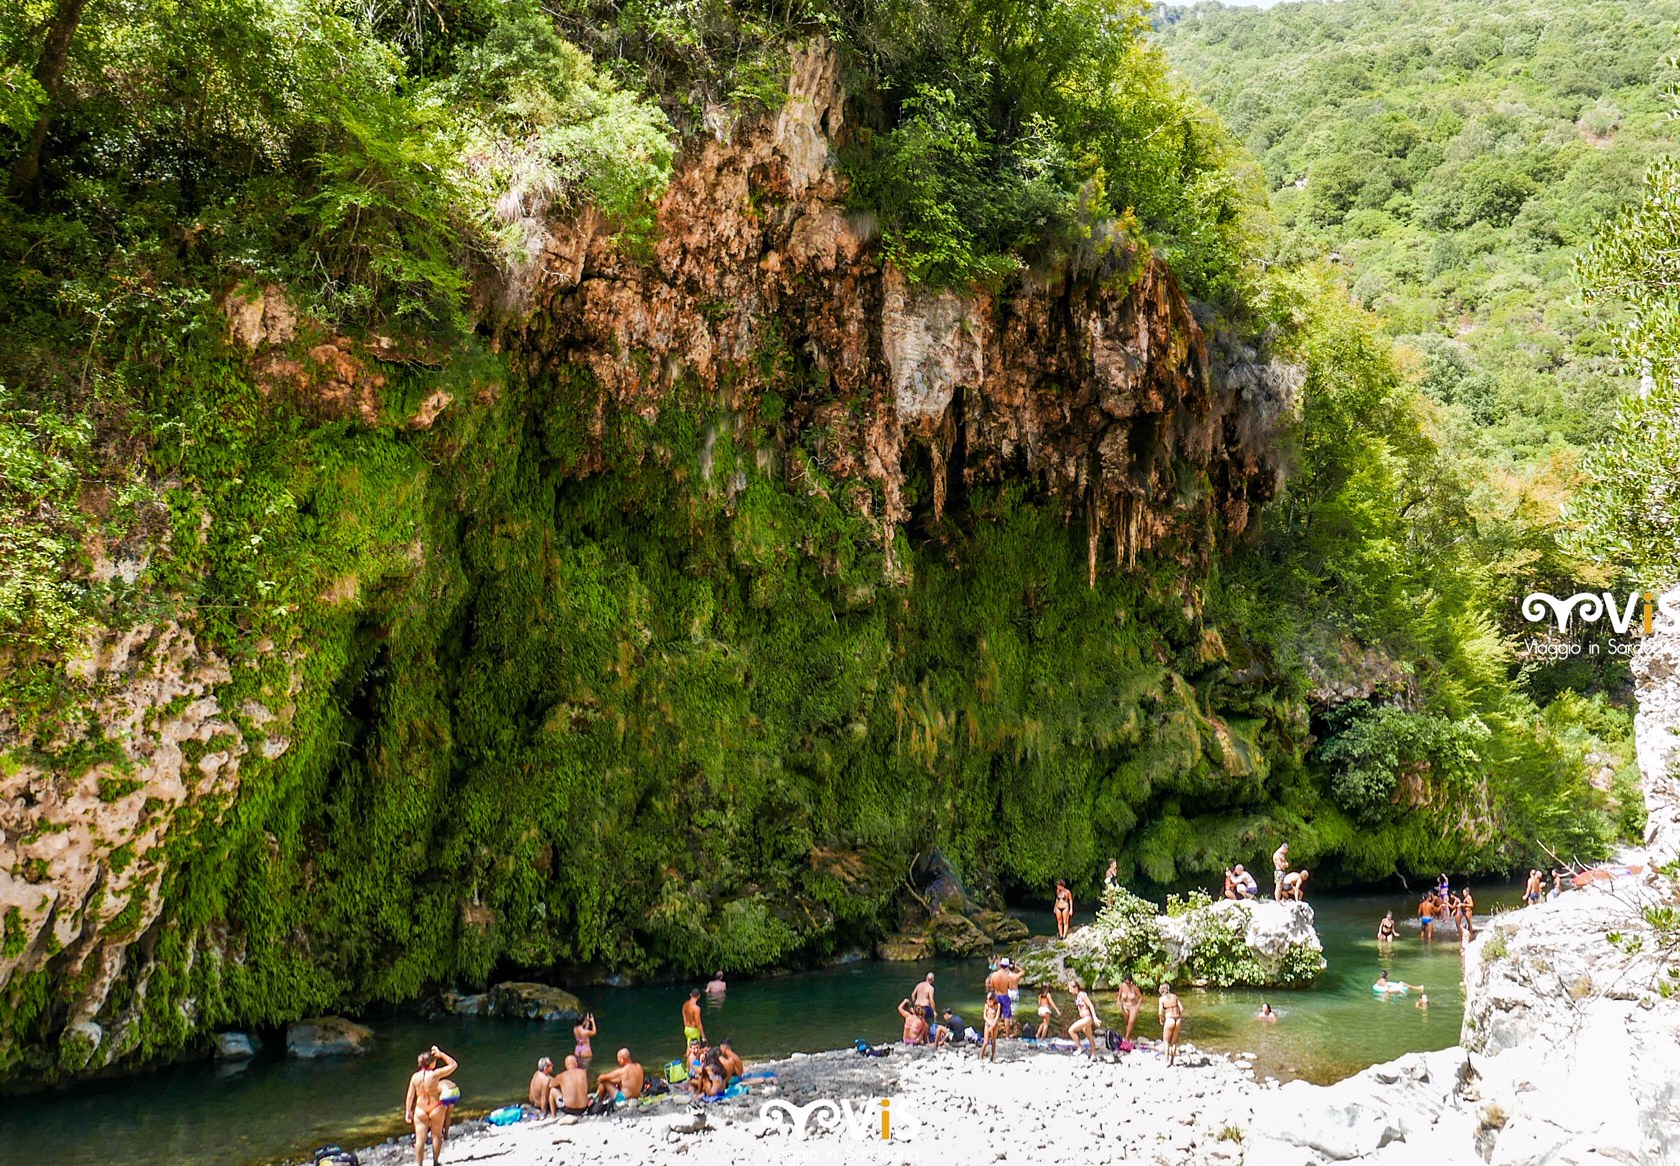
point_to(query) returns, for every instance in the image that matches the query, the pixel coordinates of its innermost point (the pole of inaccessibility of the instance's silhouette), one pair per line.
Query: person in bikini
(424, 1108)
(1063, 909)
(991, 1020)
(1386, 930)
(1046, 1005)
(915, 1024)
(542, 1081)
(583, 1032)
(621, 1084)
(571, 1089)
(1130, 999)
(1084, 1027)
(1170, 1011)
(1467, 905)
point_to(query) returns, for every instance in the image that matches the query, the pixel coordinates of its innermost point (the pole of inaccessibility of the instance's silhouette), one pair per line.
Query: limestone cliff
(243, 826)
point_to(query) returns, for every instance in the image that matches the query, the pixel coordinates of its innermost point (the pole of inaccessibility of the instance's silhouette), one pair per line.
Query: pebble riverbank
(1031, 1106)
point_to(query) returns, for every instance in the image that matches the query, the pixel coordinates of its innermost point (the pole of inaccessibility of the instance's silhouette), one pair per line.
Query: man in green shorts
(694, 1029)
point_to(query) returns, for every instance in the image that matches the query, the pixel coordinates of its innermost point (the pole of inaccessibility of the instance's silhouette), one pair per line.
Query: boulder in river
(955, 934)
(520, 999)
(458, 1003)
(1001, 927)
(904, 948)
(236, 1046)
(327, 1036)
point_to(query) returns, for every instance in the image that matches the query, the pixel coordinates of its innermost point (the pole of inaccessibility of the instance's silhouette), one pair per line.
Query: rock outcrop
(1220, 944)
(327, 1036)
(1656, 731)
(1100, 385)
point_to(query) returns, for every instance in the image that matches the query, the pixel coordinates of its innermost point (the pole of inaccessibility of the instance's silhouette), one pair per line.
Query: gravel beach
(1031, 1106)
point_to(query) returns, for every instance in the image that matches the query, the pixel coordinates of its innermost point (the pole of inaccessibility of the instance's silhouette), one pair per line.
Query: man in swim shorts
(1130, 999)
(1280, 866)
(424, 1108)
(922, 997)
(694, 1029)
(542, 1081)
(1295, 884)
(1426, 917)
(623, 1083)
(572, 1089)
(1170, 1011)
(1531, 892)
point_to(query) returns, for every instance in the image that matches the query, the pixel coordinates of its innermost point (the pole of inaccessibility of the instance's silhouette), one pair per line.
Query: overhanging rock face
(1100, 387)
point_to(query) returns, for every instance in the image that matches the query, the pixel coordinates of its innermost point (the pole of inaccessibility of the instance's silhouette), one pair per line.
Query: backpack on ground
(335, 1156)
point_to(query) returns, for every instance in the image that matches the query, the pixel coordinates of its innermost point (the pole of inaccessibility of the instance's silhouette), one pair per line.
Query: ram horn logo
(799, 1115)
(1535, 603)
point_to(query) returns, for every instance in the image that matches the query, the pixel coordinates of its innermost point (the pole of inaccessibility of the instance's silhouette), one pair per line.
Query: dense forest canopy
(523, 637)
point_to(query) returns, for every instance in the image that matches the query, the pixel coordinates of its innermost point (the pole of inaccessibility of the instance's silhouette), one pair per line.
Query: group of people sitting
(568, 1091)
(711, 1070)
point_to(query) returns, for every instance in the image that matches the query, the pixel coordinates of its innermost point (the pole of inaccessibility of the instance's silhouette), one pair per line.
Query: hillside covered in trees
(496, 488)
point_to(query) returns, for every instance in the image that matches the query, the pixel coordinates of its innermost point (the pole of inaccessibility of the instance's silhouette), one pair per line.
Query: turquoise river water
(202, 1113)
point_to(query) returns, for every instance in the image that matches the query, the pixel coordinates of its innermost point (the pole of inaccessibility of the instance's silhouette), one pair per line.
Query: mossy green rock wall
(662, 626)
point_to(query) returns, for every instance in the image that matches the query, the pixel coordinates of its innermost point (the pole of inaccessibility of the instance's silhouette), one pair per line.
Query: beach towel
(506, 1115)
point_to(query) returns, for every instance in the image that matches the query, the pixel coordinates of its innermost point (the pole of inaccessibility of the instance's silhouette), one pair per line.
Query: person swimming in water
(583, 1032)
(425, 1108)
(1386, 985)
(1063, 909)
(1266, 1013)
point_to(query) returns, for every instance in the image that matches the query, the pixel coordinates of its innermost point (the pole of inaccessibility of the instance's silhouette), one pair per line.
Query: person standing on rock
(542, 1081)
(1084, 1026)
(1280, 867)
(991, 1019)
(1170, 1011)
(424, 1108)
(1130, 999)
(922, 997)
(1063, 909)
(1111, 879)
(694, 1028)
(1531, 893)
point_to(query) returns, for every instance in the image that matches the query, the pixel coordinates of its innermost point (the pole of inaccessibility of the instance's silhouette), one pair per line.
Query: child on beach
(1046, 1005)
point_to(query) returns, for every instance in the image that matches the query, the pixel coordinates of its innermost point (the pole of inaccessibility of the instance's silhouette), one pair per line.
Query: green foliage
(1015, 130)
(1451, 156)
(41, 603)
(1627, 512)
(1375, 747)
